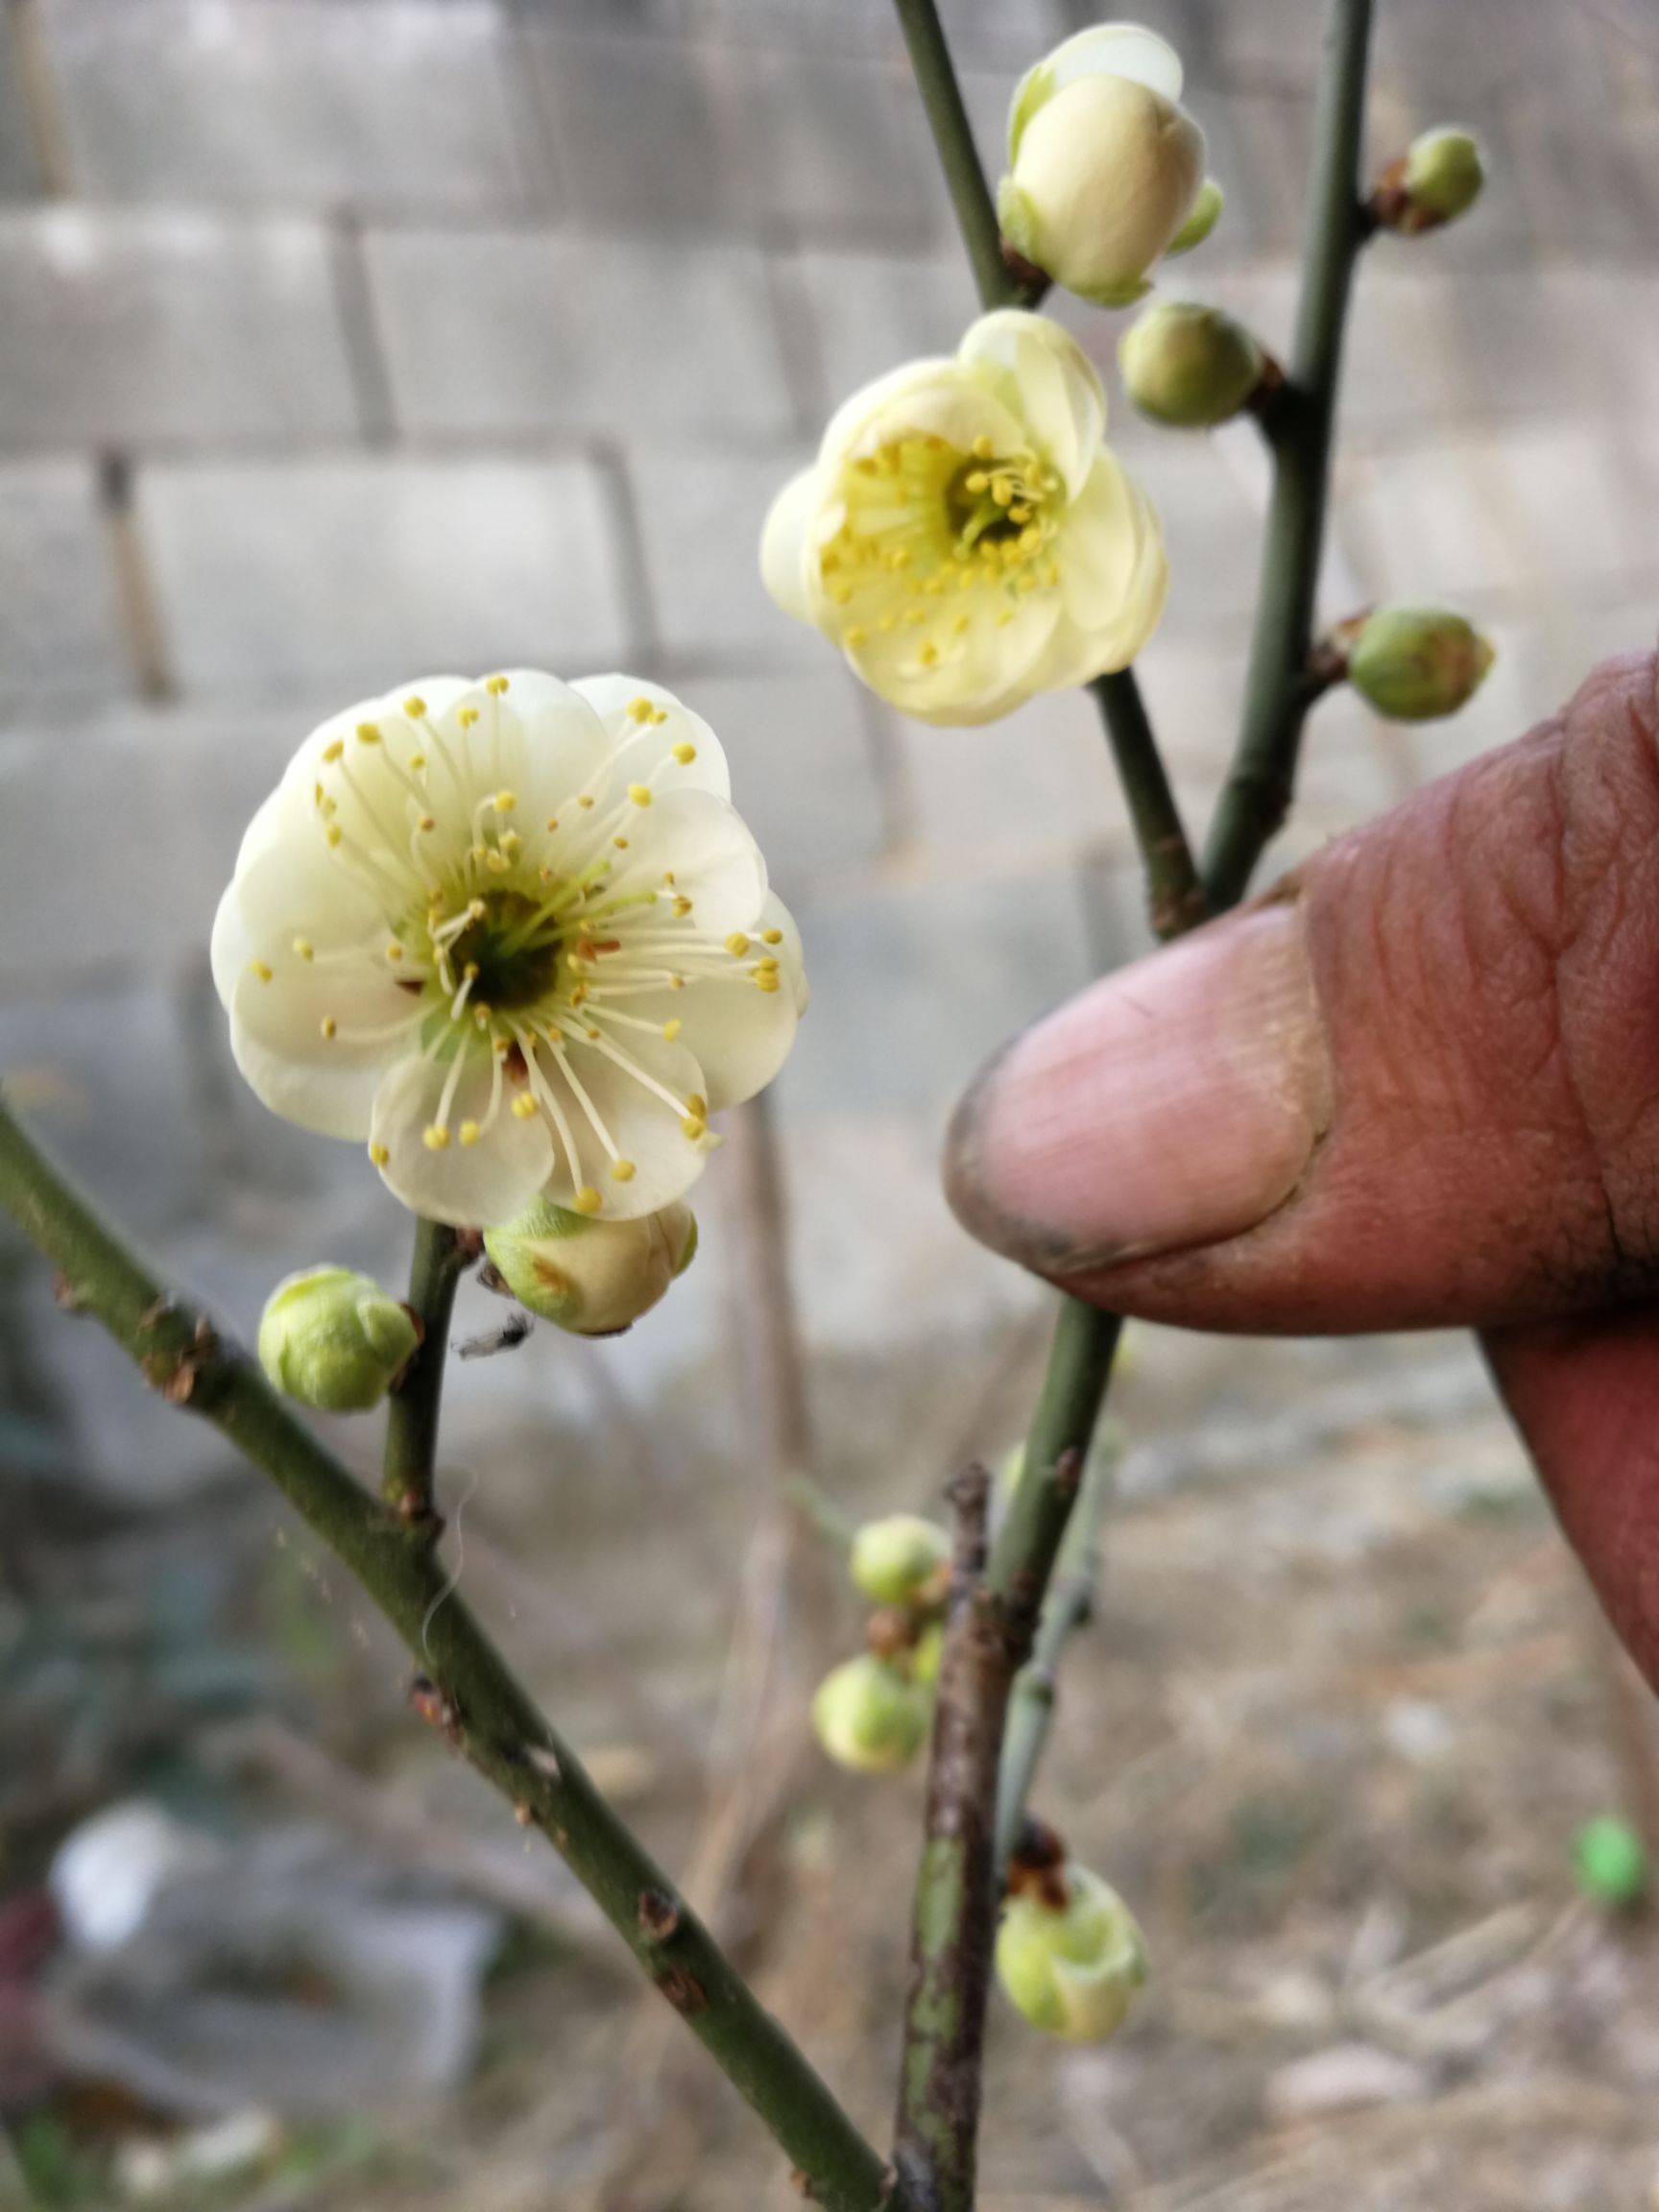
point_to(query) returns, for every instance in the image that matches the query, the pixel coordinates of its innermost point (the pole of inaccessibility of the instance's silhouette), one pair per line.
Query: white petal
(707, 849)
(469, 1186)
(983, 675)
(645, 751)
(1119, 49)
(645, 1129)
(1115, 577)
(1060, 395)
(785, 539)
(847, 428)
(740, 1034)
(277, 1009)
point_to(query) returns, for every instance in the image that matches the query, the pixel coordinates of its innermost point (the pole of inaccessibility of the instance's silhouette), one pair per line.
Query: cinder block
(121, 330)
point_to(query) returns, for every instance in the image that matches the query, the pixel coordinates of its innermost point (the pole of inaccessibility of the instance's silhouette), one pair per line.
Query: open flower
(513, 934)
(964, 537)
(1105, 170)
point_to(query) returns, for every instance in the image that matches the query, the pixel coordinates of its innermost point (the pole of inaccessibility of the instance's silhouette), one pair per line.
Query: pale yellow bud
(871, 1715)
(1072, 1968)
(333, 1338)
(893, 1559)
(1442, 177)
(593, 1278)
(1104, 168)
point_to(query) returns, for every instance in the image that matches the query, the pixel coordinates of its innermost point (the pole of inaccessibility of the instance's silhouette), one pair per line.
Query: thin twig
(473, 1694)
(1278, 691)
(441, 1257)
(951, 1938)
(1069, 1603)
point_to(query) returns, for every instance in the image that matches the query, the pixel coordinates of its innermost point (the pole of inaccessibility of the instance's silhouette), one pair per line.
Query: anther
(469, 1132)
(623, 1170)
(640, 709)
(414, 707)
(524, 1107)
(738, 944)
(588, 1200)
(368, 734)
(771, 936)
(305, 948)
(672, 1029)
(261, 970)
(435, 1136)
(334, 748)
(684, 754)
(467, 716)
(379, 1154)
(641, 794)
(504, 802)
(328, 1025)
(495, 687)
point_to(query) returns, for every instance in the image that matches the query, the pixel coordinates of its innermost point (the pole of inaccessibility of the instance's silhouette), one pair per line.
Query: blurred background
(342, 341)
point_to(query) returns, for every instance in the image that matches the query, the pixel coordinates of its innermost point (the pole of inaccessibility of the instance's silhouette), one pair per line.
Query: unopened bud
(1070, 1967)
(894, 1558)
(1206, 214)
(1437, 178)
(1189, 365)
(1104, 168)
(929, 1654)
(592, 1277)
(1444, 172)
(1415, 663)
(870, 1714)
(333, 1338)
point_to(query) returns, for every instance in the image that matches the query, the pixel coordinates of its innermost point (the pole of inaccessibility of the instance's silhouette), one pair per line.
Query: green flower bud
(1441, 177)
(1071, 1970)
(871, 1715)
(1611, 1861)
(333, 1338)
(893, 1559)
(591, 1277)
(1206, 214)
(930, 1651)
(1414, 663)
(1189, 365)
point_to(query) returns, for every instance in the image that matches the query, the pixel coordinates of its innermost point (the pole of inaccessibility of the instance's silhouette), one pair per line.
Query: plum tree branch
(472, 1693)
(1059, 1446)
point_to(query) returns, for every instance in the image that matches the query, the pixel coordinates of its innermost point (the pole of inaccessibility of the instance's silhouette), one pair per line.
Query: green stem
(958, 155)
(1174, 892)
(1278, 692)
(441, 1257)
(486, 1711)
(1070, 1602)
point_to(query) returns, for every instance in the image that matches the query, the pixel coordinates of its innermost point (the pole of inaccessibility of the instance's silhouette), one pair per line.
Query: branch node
(658, 1915)
(683, 1990)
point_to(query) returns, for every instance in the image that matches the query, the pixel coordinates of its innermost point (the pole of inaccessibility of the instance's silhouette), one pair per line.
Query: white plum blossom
(966, 537)
(513, 936)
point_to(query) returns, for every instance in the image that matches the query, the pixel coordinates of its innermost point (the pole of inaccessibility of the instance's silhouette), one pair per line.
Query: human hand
(1414, 1085)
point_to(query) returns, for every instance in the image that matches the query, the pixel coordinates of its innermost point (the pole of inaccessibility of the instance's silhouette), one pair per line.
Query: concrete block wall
(344, 339)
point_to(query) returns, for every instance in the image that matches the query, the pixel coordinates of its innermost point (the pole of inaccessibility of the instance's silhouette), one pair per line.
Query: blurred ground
(344, 338)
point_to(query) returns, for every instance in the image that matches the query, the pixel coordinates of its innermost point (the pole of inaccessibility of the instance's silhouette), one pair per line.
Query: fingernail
(1175, 1104)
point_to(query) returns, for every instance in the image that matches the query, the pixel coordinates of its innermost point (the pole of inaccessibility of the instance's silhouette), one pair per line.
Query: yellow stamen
(623, 1170)
(588, 1200)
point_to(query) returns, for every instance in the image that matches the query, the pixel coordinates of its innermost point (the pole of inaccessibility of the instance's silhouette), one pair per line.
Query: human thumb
(1415, 1084)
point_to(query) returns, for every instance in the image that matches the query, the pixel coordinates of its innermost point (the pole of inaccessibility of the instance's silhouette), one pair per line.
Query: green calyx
(1610, 1862)
(1206, 214)
(332, 1338)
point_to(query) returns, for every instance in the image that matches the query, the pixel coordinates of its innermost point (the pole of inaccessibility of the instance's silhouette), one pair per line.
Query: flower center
(511, 953)
(934, 537)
